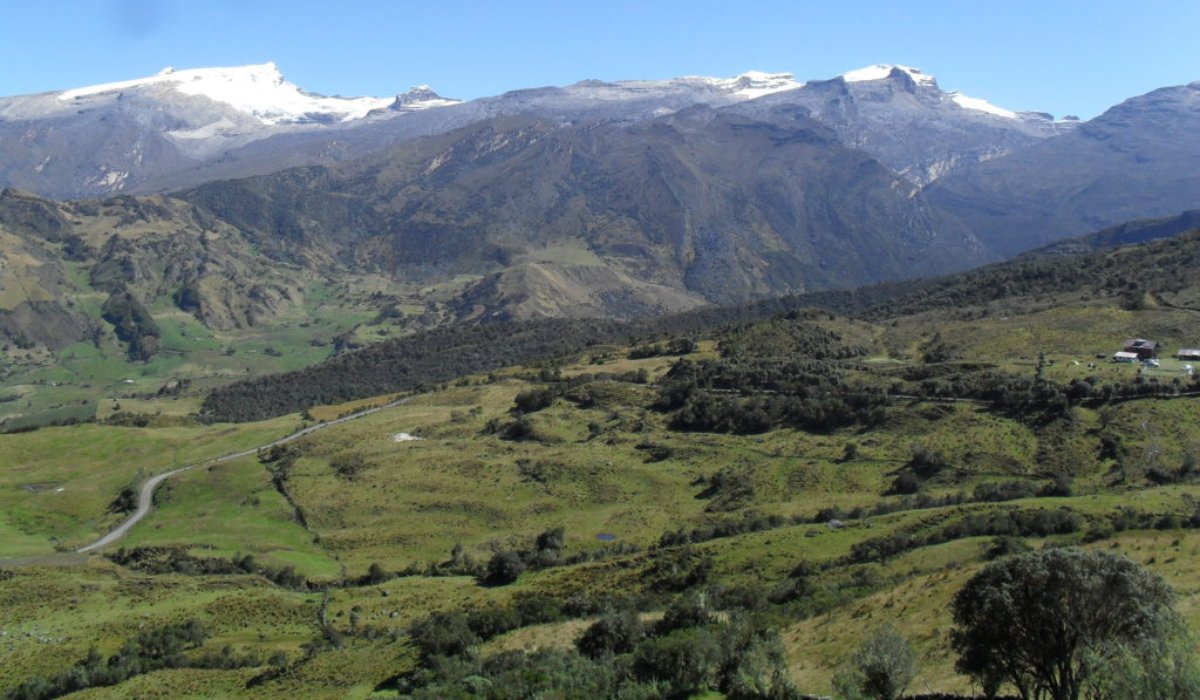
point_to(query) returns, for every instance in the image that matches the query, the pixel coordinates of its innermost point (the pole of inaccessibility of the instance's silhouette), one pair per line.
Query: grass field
(56, 484)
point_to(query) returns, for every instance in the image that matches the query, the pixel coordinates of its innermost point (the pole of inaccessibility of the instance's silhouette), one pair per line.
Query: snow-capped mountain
(181, 128)
(902, 117)
(881, 71)
(125, 136)
(260, 91)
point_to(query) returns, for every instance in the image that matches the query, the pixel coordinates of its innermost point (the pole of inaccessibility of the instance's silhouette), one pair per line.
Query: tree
(503, 568)
(881, 668)
(1164, 668)
(616, 632)
(1043, 620)
(753, 664)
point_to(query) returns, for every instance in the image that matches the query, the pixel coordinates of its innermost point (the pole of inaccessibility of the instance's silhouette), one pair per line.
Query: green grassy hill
(809, 476)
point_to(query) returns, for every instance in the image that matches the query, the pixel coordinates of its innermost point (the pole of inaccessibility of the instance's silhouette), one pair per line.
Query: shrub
(687, 660)
(534, 400)
(1162, 668)
(616, 632)
(906, 483)
(348, 466)
(679, 569)
(927, 463)
(753, 663)
(881, 668)
(690, 610)
(443, 634)
(503, 568)
(995, 492)
(493, 621)
(1006, 546)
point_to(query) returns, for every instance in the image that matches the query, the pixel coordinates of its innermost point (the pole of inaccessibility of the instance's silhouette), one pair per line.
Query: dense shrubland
(169, 646)
(690, 650)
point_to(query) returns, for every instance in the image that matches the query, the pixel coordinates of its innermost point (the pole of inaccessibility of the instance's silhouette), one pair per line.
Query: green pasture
(56, 484)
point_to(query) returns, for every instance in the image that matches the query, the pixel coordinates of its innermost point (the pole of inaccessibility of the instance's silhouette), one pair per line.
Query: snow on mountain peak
(879, 71)
(419, 97)
(746, 86)
(981, 105)
(752, 84)
(258, 90)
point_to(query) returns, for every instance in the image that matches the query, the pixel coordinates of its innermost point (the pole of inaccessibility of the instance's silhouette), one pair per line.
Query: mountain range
(184, 127)
(224, 193)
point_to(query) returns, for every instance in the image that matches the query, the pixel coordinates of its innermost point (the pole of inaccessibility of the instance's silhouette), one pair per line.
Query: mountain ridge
(1138, 159)
(181, 128)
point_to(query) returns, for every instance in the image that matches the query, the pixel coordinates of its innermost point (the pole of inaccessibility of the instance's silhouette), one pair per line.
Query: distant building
(1188, 354)
(1125, 357)
(1144, 349)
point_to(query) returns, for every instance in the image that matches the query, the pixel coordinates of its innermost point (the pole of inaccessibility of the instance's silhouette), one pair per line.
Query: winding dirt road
(146, 494)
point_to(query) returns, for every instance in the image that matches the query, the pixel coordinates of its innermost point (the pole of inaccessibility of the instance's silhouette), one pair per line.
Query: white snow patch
(756, 84)
(879, 71)
(114, 179)
(981, 105)
(404, 437)
(748, 85)
(258, 90)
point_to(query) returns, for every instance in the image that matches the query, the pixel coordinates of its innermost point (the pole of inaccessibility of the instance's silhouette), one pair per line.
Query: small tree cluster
(506, 565)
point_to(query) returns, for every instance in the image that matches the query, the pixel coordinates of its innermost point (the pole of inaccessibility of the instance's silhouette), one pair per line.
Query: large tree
(1038, 620)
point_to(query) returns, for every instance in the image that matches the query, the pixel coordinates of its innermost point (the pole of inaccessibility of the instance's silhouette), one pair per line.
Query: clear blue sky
(1061, 56)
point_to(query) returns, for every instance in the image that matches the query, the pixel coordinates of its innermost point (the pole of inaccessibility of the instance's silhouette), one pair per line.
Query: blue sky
(1059, 56)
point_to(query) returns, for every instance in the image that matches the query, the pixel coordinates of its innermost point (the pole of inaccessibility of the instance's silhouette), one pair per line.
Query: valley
(666, 470)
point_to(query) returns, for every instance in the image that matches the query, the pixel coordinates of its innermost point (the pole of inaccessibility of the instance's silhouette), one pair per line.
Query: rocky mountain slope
(57, 260)
(1138, 159)
(907, 122)
(702, 203)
